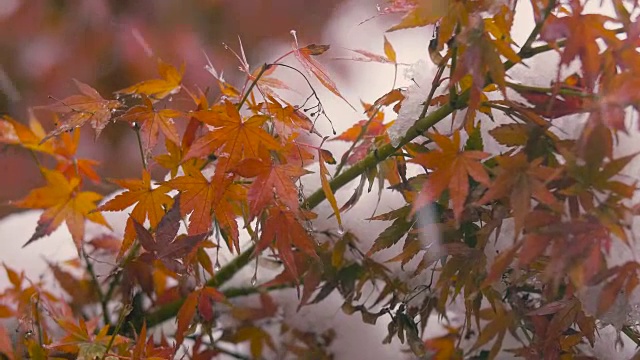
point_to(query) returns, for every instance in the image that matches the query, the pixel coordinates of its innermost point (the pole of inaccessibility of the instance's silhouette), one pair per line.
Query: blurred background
(112, 44)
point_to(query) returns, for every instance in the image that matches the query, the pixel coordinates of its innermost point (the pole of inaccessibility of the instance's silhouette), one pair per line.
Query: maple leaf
(418, 13)
(281, 230)
(206, 199)
(372, 128)
(198, 300)
(519, 179)
(479, 56)
(234, 138)
(82, 291)
(389, 56)
(149, 203)
(63, 149)
(582, 33)
(620, 92)
(313, 67)
(158, 88)
(451, 170)
(77, 110)
(152, 122)
(326, 188)
(164, 245)
(65, 152)
(81, 338)
(257, 338)
(174, 157)
(31, 137)
(288, 117)
(273, 181)
(500, 321)
(62, 201)
(146, 348)
(444, 346)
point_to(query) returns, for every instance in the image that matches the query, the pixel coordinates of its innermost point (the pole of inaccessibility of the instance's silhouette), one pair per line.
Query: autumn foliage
(237, 156)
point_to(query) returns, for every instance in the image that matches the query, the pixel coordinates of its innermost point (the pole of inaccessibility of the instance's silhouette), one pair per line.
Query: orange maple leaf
(313, 67)
(63, 149)
(451, 170)
(234, 138)
(273, 181)
(32, 137)
(158, 88)
(76, 110)
(582, 33)
(199, 300)
(62, 201)
(152, 122)
(281, 230)
(288, 118)
(205, 199)
(65, 153)
(418, 13)
(518, 180)
(150, 203)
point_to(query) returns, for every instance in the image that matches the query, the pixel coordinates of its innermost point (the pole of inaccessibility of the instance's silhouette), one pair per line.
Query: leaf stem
(264, 68)
(136, 128)
(123, 313)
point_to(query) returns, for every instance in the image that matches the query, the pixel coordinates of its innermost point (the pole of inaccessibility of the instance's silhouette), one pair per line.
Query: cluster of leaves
(237, 168)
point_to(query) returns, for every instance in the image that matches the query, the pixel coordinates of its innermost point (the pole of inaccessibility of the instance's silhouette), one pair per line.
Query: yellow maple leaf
(62, 201)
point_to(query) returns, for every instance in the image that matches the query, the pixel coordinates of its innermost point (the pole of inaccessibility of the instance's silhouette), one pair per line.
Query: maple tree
(238, 158)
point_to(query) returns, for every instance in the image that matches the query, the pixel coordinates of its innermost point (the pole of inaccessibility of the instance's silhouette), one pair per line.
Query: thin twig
(94, 280)
(136, 128)
(264, 68)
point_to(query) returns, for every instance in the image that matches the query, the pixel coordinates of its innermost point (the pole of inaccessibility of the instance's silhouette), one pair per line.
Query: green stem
(123, 313)
(94, 280)
(631, 334)
(545, 90)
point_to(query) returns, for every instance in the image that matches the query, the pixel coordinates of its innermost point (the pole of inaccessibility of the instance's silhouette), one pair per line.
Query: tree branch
(376, 156)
